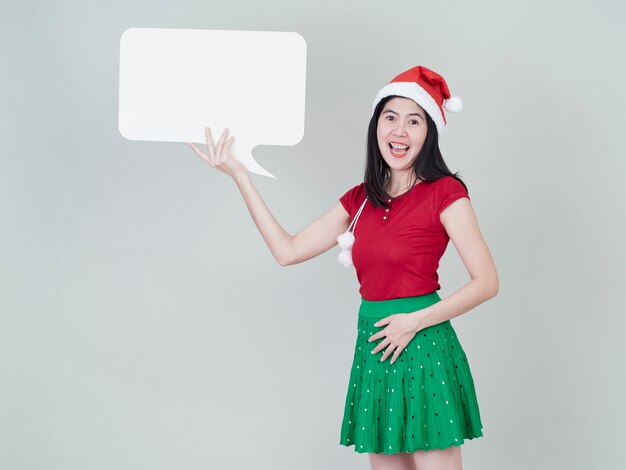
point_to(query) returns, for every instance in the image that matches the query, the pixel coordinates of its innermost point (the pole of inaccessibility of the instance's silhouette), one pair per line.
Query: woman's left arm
(460, 222)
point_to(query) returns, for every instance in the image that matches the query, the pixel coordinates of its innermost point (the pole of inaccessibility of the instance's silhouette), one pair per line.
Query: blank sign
(176, 82)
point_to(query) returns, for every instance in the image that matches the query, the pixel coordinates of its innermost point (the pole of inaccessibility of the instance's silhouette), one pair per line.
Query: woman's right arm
(316, 238)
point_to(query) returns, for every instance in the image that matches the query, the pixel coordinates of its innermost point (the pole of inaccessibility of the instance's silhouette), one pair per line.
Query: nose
(399, 128)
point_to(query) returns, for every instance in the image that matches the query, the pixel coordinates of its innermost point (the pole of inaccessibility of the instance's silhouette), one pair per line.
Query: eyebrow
(411, 114)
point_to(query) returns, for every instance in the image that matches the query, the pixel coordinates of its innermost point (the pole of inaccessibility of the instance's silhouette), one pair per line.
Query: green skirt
(425, 400)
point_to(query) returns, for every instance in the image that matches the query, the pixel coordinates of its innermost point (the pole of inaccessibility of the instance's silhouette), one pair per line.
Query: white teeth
(399, 147)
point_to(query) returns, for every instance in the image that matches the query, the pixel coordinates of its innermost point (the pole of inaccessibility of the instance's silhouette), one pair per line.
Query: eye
(389, 117)
(414, 121)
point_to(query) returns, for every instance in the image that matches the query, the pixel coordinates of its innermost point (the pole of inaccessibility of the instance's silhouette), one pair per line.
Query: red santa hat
(426, 88)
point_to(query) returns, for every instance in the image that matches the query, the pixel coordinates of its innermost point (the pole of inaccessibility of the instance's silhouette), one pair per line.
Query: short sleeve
(449, 189)
(350, 199)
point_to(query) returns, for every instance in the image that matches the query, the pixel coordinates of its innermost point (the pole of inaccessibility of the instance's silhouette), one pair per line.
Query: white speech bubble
(176, 82)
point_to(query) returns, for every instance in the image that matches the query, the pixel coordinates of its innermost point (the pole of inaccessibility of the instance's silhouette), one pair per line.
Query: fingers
(388, 352)
(384, 321)
(396, 349)
(216, 153)
(198, 152)
(396, 353)
(220, 146)
(379, 324)
(380, 346)
(374, 337)
(209, 143)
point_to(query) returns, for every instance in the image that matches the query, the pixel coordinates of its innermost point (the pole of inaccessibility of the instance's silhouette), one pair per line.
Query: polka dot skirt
(424, 400)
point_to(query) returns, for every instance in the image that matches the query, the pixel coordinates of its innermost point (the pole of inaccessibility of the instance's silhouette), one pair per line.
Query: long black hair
(428, 166)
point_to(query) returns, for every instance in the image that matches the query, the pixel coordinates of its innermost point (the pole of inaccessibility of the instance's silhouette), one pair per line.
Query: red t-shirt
(396, 253)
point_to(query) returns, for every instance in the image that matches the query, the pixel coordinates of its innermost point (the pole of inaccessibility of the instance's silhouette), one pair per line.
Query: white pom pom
(453, 104)
(346, 240)
(345, 258)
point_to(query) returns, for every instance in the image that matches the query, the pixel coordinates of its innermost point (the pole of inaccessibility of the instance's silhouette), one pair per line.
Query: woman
(415, 410)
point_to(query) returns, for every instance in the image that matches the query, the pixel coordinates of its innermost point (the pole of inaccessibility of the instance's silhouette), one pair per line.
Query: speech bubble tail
(243, 152)
(254, 167)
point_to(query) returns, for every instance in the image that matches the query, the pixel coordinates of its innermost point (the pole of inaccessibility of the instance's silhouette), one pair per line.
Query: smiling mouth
(398, 150)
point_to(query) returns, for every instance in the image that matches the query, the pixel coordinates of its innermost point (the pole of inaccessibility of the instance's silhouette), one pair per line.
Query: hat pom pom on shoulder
(453, 104)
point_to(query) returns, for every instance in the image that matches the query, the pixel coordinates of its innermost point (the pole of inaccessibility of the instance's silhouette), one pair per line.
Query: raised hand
(219, 156)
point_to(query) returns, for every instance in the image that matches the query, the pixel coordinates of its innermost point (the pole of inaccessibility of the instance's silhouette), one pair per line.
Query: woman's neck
(395, 186)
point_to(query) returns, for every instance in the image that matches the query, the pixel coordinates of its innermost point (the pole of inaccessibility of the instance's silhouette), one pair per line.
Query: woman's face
(401, 132)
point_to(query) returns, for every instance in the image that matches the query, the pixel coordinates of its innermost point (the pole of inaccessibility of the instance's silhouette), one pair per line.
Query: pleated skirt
(425, 400)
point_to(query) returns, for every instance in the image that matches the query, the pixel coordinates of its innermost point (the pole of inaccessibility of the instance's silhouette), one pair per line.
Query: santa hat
(426, 88)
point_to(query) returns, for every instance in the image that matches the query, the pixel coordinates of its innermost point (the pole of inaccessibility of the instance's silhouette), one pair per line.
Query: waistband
(383, 308)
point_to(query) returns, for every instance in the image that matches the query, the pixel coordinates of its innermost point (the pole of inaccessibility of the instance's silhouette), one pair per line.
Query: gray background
(144, 322)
